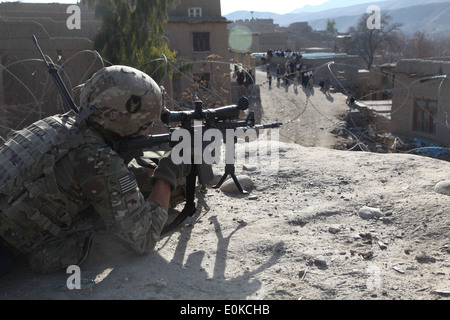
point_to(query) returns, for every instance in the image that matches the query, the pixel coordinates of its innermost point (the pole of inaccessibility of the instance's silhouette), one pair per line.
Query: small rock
(366, 255)
(443, 187)
(334, 230)
(442, 292)
(229, 185)
(370, 213)
(161, 283)
(398, 270)
(366, 235)
(249, 168)
(382, 245)
(302, 274)
(424, 258)
(320, 261)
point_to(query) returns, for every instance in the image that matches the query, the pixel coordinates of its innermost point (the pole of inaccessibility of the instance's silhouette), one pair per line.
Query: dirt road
(308, 115)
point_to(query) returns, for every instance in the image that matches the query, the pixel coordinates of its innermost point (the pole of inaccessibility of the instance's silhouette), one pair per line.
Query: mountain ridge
(414, 15)
(333, 4)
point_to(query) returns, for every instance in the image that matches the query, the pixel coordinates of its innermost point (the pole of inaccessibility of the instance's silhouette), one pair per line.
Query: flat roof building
(421, 100)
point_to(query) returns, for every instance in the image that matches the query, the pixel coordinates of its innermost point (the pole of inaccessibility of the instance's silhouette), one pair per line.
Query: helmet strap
(85, 113)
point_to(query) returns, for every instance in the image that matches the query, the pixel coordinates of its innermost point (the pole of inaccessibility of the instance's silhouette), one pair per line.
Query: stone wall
(298, 36)
(256, 25)
(210, 8)
(179, 32)
(413, 82)
(270, 40)
(27, 91)
(52, 17)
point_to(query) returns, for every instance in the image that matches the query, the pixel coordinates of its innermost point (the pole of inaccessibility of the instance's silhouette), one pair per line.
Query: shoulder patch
(127, 183)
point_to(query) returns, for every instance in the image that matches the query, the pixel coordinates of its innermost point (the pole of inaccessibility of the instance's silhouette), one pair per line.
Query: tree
(132, 33)
(366, 42)
(331, 26)
(419, 46)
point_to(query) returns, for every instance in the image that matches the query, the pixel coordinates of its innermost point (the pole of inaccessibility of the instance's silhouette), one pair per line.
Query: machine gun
(219, 119)
(191, 121)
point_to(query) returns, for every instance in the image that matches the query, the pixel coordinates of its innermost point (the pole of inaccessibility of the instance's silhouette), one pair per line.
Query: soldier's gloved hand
(169, 171)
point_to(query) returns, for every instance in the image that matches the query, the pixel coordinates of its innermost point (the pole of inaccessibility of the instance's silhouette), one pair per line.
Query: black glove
(169, 171)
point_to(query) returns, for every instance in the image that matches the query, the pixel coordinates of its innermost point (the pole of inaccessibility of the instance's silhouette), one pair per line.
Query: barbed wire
(363, 135)
(252, 92)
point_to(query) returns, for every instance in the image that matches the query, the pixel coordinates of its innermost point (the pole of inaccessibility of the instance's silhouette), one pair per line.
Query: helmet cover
(126, 99)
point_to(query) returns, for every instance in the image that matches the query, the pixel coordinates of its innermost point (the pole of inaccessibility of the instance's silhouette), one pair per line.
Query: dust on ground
(300, 233)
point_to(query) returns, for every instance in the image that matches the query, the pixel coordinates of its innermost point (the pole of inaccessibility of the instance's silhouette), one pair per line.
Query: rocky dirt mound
(328, 224)
(299, 234)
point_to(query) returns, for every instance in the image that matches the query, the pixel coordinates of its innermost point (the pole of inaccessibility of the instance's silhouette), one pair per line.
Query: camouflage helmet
(126, 99)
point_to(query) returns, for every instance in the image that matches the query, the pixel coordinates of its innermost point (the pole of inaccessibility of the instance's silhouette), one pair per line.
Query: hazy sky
(228, 6)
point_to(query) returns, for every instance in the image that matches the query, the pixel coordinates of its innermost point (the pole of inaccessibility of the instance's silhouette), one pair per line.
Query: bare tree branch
(367, 42)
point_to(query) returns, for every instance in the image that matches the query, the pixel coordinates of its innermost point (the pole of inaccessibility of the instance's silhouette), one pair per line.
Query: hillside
(299, 235)
(331, 4)
(424, 15)
(432, 18)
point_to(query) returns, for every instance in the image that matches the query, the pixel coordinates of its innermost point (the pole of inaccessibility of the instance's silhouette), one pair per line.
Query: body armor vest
(32, 207)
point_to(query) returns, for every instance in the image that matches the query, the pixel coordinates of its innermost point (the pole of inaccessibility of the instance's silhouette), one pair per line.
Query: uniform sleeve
(108, 185)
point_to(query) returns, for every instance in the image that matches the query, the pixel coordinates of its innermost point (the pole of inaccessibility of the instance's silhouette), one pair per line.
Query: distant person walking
(249, 80)
(240, 77)
(286, 78)
(327, 85)
(269, 74)
(310, 80)
(278, 73)
(287, 68)
(295, 83)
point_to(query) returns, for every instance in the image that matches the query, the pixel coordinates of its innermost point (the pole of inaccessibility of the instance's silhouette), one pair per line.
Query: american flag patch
(127, 183)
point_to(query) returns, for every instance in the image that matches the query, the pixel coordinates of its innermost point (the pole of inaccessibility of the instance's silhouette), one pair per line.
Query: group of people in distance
(295, 72)
(283, 53)
(244, 76)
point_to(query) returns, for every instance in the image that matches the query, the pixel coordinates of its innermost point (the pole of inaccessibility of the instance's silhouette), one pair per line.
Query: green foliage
(132, 33)
(331, 26)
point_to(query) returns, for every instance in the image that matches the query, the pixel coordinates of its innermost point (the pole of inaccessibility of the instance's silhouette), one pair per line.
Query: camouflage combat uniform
(56, 168)
(43, 219)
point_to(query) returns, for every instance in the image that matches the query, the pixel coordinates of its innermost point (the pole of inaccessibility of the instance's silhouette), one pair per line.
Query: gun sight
(223, 113)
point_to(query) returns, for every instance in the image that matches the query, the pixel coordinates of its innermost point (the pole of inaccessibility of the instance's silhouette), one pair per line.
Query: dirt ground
(299, 234)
